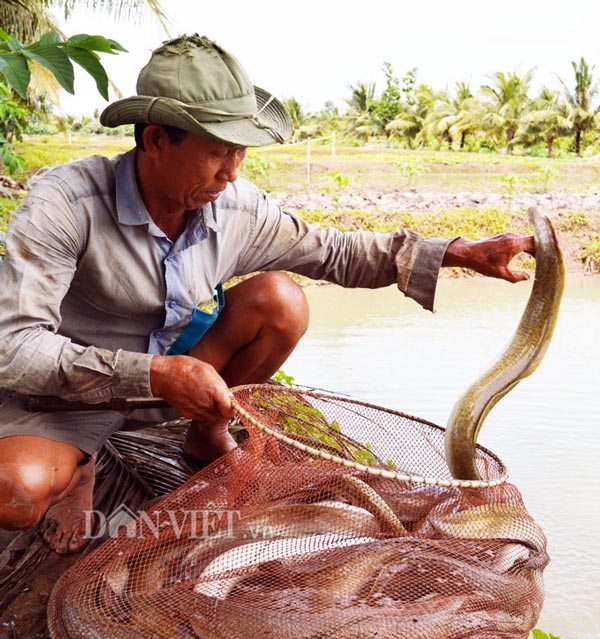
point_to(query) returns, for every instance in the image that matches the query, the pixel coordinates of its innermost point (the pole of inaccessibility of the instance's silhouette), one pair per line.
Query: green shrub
(6, 208)
(545, 173)
(540, 634)
(469, 222)
(590, 254)
(575, 222)
(410, 170)
(256, 168)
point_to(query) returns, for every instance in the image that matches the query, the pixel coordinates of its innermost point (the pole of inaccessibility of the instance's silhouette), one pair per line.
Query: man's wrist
(457, 252)
(158, 367)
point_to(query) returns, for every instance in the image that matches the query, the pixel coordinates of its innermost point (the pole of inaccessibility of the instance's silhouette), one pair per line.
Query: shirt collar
(130, 207)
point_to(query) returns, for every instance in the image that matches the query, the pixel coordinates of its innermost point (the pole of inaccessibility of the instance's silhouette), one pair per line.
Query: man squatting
(110, 260)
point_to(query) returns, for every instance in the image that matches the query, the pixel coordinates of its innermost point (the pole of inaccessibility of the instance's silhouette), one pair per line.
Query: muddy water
(382, 348)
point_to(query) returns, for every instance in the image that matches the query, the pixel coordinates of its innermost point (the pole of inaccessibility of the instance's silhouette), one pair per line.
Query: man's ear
(154, 137)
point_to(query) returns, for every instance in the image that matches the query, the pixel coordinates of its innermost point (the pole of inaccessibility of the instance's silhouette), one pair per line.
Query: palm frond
(119, 9)
(26, 21)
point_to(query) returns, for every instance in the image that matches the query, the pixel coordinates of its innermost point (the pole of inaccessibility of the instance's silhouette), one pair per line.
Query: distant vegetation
(500, 186)
(501, 116)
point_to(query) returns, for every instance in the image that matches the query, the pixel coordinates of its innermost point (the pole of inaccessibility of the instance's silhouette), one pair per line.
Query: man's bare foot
(206, 442)
(63, 526)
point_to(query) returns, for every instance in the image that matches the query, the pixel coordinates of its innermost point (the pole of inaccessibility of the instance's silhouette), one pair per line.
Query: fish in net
(273, 540)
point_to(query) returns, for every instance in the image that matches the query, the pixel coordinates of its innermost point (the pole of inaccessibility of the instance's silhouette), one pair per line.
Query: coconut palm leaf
(155, 453)
(28, 20)
(119, 9)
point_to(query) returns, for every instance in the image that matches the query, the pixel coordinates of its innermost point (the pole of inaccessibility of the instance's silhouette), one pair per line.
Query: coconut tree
(360, 118)
(28, 20)
(446, 113)
(471, 116)
(547, 119)
(361, 97)
(300, 119)
(582, 114)
(328, 119)
(410, 123)
(507, 103)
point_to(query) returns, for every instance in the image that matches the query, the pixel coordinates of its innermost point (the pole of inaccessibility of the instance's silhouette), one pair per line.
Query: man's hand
(192, 387)
(490, 256)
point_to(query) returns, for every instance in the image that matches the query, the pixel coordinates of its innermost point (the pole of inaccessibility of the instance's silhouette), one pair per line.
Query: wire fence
(309, 142)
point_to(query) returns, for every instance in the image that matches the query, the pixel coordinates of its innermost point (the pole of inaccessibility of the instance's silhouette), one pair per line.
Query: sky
(314, 50)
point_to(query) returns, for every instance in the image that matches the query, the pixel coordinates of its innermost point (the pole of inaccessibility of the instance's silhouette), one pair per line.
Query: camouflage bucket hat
(193, 84)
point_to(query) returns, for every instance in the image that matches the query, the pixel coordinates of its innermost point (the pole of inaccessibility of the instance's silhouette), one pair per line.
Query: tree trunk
(578, 142)
(463, 137)
(550, 145)
(510, 134)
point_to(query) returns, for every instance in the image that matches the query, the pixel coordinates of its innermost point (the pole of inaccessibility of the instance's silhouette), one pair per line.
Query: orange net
(333, 519)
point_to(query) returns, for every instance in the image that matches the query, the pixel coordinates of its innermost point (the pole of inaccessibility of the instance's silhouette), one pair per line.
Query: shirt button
(170, 258)
(158, 334)
(172, 304)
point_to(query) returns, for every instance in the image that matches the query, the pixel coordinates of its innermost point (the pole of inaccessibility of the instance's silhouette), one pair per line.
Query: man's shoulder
(90, 176)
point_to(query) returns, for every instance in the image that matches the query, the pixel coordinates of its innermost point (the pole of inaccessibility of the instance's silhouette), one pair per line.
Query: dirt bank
(576, 216)
(413, 200)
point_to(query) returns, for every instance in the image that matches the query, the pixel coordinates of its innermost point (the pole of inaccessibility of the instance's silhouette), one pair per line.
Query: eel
(519, 359)
(217, 580)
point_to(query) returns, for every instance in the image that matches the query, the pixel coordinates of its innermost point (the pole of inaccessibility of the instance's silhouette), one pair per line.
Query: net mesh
(333, 519)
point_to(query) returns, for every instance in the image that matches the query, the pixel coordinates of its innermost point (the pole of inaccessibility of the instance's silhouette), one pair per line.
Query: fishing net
(333, 519)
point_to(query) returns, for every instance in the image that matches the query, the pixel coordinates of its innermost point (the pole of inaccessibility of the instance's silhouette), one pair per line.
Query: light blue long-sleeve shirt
(91, 288)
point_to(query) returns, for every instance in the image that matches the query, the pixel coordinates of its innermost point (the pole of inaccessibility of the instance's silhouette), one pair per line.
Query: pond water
(384, 349)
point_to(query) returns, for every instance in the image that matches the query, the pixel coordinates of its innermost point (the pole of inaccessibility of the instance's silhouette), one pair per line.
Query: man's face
(198, 169)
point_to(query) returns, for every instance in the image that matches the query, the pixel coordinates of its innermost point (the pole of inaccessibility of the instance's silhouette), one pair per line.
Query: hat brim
(244, 131)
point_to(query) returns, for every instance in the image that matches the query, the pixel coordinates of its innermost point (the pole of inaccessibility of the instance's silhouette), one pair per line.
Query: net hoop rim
(376, 471)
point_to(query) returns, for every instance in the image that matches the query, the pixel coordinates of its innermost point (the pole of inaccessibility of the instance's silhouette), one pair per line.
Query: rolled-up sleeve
(418, 262)
(43, 246)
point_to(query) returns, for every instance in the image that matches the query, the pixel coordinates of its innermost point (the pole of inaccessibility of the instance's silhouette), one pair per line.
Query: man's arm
(43, 247)
(279, 240)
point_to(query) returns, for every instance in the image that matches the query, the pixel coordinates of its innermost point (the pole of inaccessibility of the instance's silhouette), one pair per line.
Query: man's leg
(263, 320)
(43, 478)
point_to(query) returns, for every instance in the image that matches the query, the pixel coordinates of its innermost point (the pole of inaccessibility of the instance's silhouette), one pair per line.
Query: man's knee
(28, 484)
(284, 302)
(24, 495)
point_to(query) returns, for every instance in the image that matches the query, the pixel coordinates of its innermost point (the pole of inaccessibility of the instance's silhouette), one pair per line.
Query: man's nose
(229, 168)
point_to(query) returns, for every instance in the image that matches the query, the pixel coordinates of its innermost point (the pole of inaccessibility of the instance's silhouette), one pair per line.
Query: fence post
(308, 161)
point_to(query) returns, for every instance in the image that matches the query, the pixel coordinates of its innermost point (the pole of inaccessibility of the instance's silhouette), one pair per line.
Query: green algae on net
(306, 424)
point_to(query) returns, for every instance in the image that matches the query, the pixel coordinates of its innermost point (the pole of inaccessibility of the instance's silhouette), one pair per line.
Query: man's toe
(48, 529)
(55, 540)
(77, 542)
